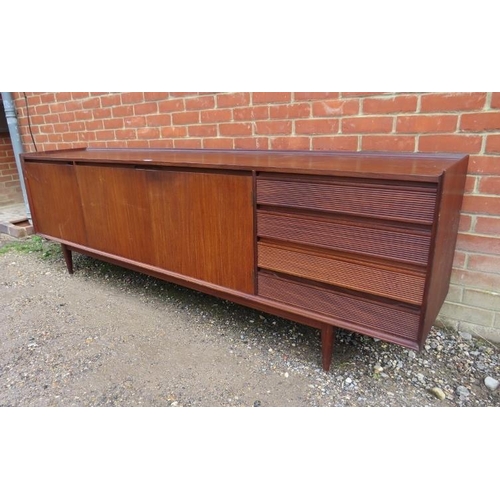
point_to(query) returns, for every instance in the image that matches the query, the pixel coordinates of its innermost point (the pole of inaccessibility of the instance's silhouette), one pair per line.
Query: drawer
(370, 315)
(384, 201)
(383, 242)
(401, 285)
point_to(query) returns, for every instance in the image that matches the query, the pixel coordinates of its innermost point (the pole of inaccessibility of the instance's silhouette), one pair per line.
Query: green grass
(34, 244)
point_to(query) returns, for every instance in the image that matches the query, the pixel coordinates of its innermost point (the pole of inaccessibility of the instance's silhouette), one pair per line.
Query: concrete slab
(14, 221)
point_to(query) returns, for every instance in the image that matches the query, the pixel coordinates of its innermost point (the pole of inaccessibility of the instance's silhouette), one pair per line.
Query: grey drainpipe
(10, 114)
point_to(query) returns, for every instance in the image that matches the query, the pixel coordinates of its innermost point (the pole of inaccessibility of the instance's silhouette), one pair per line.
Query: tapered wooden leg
(68, 258)
(327, 340)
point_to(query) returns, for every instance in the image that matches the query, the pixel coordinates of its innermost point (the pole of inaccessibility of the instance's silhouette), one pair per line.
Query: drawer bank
(361, 241)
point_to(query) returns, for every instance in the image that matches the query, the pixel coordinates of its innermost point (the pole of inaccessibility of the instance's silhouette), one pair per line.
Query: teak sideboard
(361, 241)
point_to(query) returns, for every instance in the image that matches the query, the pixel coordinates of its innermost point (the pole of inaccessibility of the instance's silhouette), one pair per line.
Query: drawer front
(371, 315)
(376, 242)
(391, 202)
(364, 277)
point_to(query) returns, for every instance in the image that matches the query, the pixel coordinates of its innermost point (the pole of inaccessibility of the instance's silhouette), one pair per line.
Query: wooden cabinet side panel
(54, 199)
(443, 248)
(202, 226)
(116, 211)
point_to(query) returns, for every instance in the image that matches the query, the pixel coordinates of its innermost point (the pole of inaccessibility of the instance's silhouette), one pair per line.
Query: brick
(302, 110)
(480, 122)
(426, 123)
(405, 143)
(135, 121)
(183, 94)
(138, 143)
(67, 117)
(72, 137)
(46, 129)
(383, 105)
(366, 125)
(489, 185)
(465, 223)
(290, 143)
(459, 260)
(161, 143)
(158, 120)
(472, 314)
(484, 299)
(99, 113)
(234, 129)
(43, 109)
(202, 130)
(188, 143)
(218, 143)
(233, 99)
(119, 111)
(456, 101)
(480, 244)
(493, 144)
(116, 144)
(105, 135)
(268, 97)
(318, 127)
(132, 97)
(337, 143)
(94, 125)
(76, 126)
(146, 108)
(148, 133)
(454, 294)
(48, 97)
(155, 96)
(361, 94)
(273, 127)
(171, 105)
(481, 204)
(167, 132)
(83, 115)
(216, 115)
(251, 113)
(204, 102)
(92, 103)
(488, 225)
(311, 96)
(57, 108)
(337, 107)
(126, 133)
(495, 100)
(484, 165)
(110, 100)
(446, 143)
(475, 279)
(484, 263)
(114, 123)
(79, 95)
(470, 183)
(251, 143)
(55, 137)
(73, 105)
(186, 117)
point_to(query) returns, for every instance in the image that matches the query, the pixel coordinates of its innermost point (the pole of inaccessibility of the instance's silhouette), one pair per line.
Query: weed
(34, 244)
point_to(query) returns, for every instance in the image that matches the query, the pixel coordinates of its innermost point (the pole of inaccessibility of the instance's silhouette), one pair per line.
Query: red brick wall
(447, 122)
(10, 187)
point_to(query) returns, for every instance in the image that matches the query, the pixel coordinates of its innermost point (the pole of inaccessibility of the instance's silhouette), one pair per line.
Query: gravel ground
(111, 337)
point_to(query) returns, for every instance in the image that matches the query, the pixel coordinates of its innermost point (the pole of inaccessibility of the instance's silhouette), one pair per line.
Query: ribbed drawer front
(376, 242)
(364, 277)
(380, 201)
(376, 316)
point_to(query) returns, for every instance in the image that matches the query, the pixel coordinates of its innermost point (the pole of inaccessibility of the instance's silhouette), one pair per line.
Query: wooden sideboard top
(425, 167)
